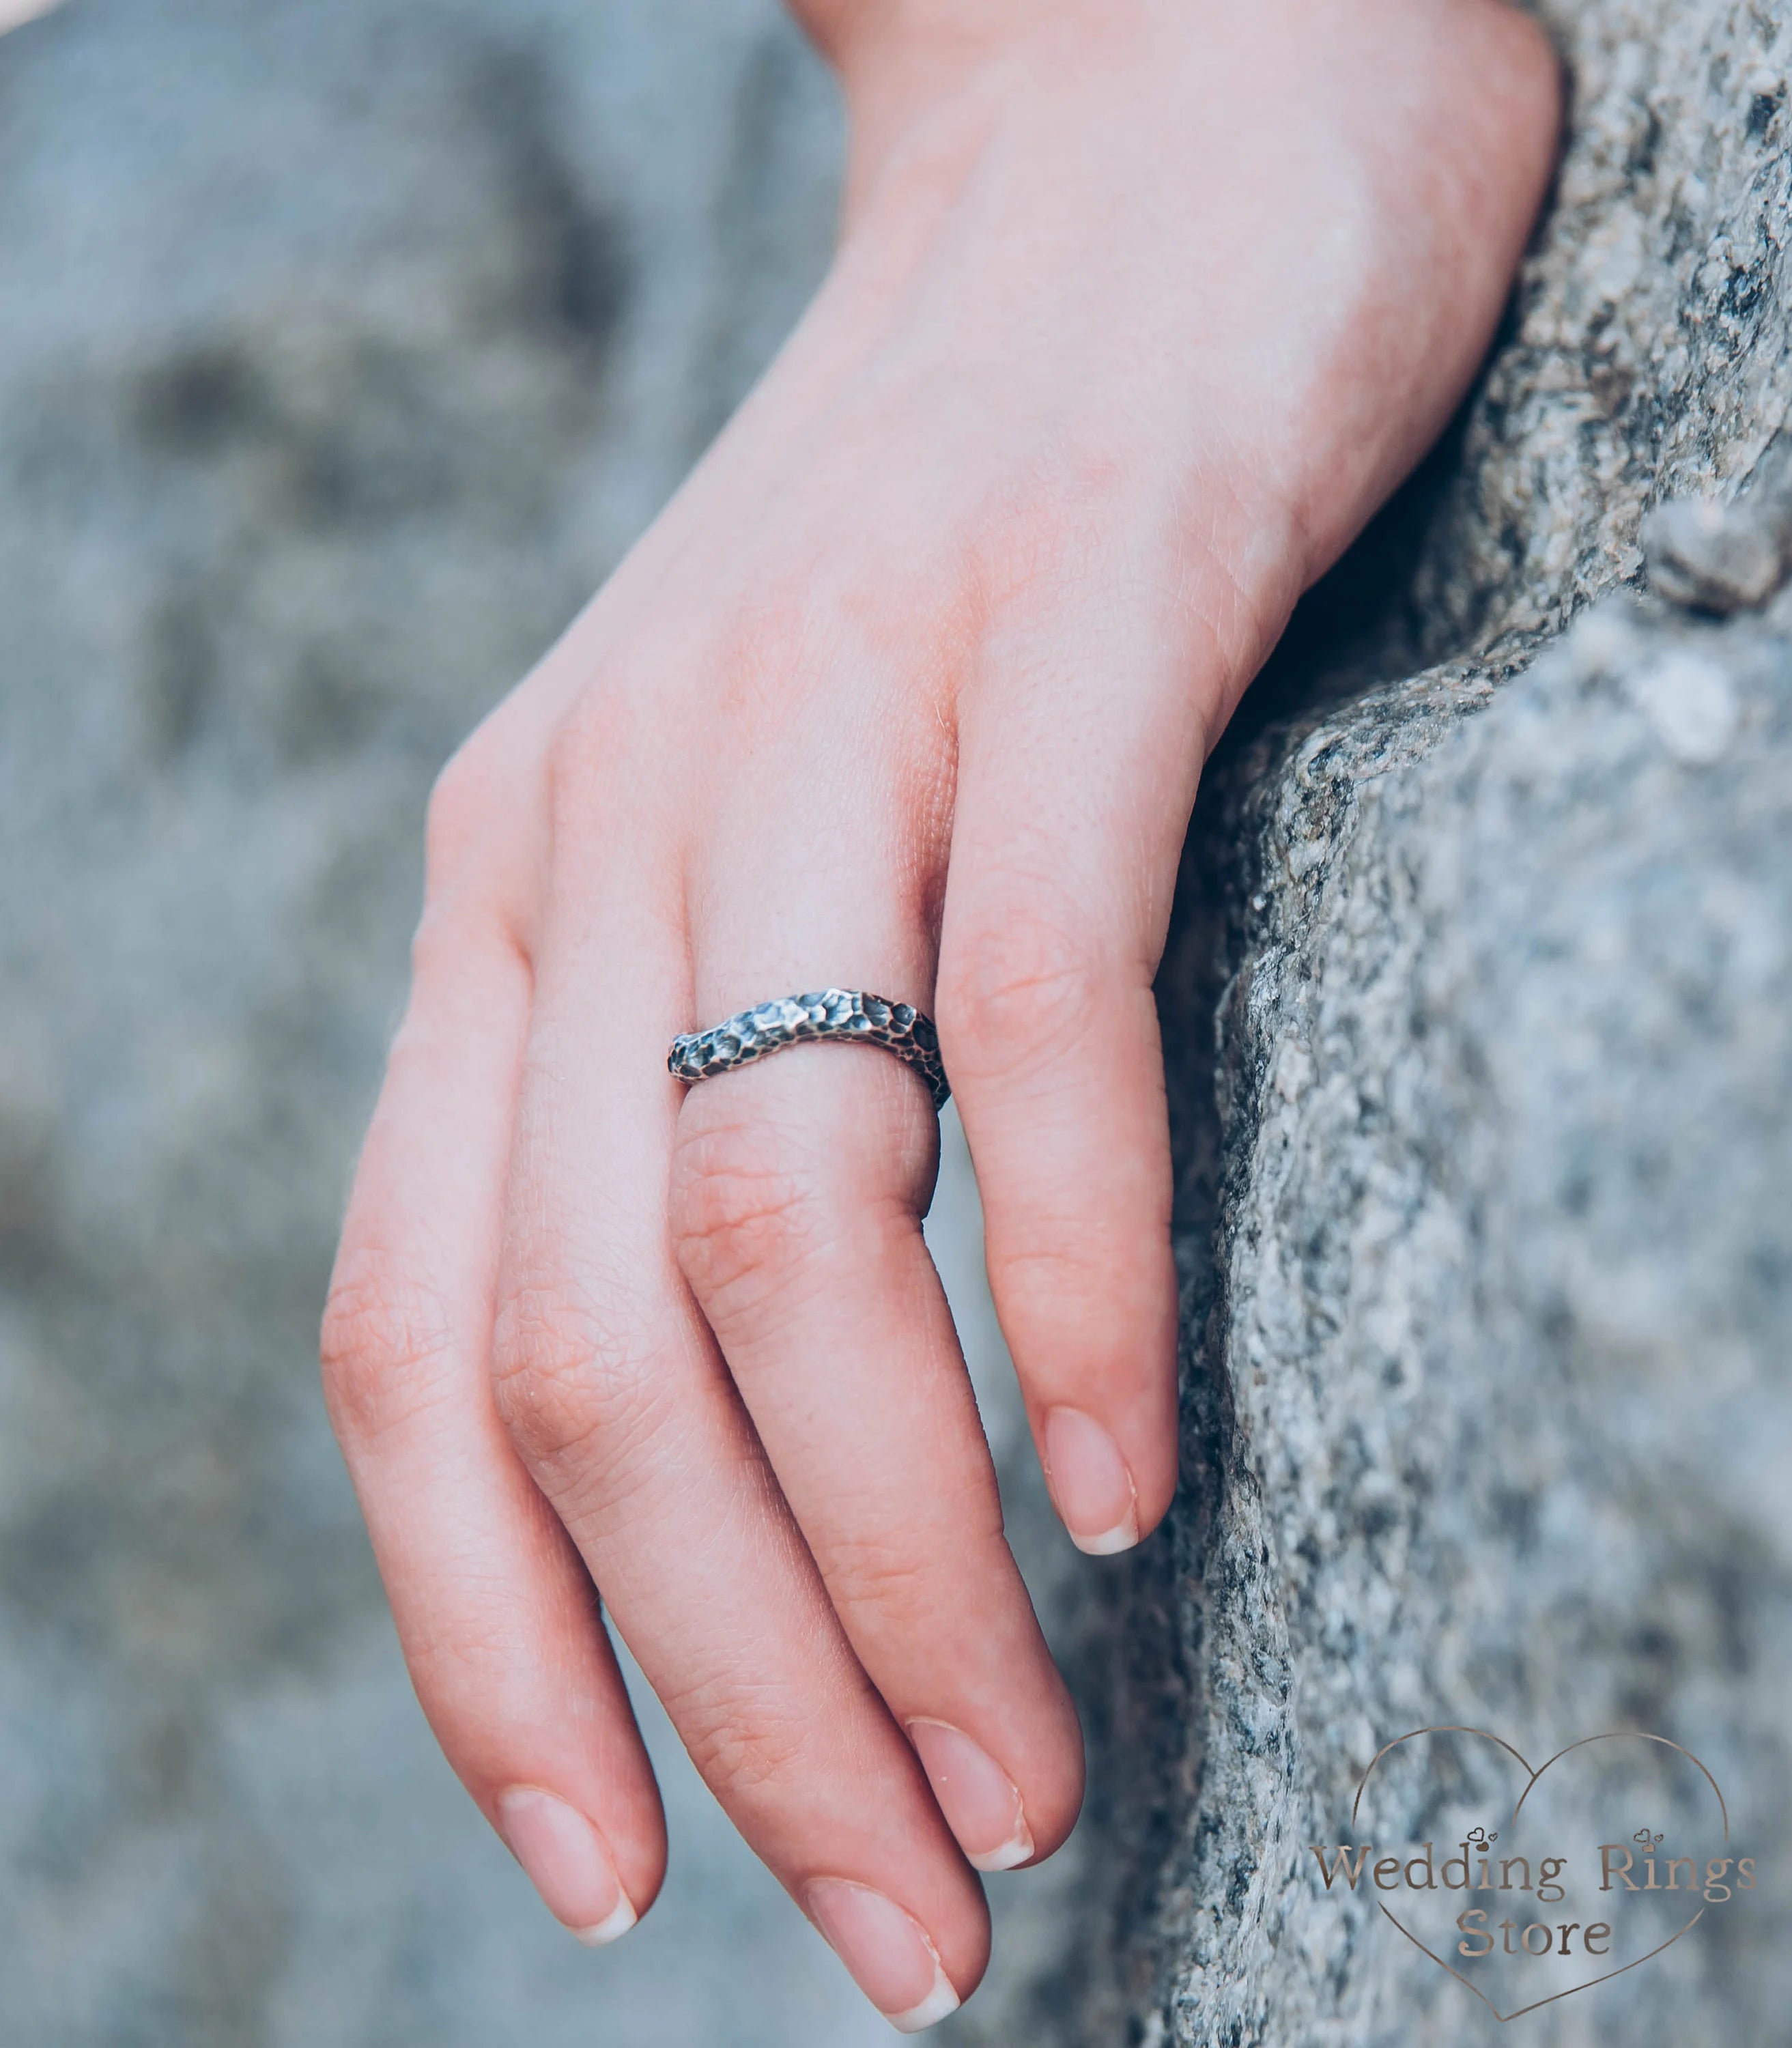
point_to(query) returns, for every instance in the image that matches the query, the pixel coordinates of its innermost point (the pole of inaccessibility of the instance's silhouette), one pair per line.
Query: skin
(1140, 309)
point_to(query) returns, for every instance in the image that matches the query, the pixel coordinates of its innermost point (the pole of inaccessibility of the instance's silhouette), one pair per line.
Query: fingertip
(1155, 1455)
(612, 1929)
(940, 2003)
(1149, 1521)
(566, 1857)
(981, 1804)
(1092, 1484)
(892, 1957)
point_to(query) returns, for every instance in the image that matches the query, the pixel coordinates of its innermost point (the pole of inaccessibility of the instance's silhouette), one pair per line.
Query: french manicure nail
(892, 1961)
(979, 1800)
(566, 1861)
(1090, 1483)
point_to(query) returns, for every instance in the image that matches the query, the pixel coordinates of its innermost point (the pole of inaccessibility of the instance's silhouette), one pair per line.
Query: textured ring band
(847, 1015)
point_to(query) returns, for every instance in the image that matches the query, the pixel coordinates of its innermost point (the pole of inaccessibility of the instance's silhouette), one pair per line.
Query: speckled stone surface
(1478, 1007)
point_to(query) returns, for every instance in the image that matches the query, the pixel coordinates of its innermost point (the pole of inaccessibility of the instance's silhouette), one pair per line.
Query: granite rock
(1478, 1008)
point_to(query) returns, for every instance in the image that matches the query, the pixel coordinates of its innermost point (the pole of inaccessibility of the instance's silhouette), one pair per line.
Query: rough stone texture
(1486, 1202)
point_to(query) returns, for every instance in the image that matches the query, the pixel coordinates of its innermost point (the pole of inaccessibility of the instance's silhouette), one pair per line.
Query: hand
(1139, 312)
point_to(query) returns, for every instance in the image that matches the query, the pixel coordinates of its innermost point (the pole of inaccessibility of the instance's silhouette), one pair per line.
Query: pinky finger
(497, 1616)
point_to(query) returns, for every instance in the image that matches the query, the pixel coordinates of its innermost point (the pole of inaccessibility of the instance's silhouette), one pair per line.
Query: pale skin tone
(1140, 308)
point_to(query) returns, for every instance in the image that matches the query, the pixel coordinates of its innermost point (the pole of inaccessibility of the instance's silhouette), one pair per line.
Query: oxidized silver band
(846, 1014)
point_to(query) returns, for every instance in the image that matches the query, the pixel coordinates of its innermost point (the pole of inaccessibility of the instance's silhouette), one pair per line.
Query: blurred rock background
(345, 345)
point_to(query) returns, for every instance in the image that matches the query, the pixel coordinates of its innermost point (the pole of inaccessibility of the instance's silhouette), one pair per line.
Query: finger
(1074, 793)
(495, 1609)
(798, 1189)
(614, 1392)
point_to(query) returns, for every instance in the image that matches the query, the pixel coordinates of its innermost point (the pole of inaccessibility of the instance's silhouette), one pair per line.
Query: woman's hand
(1140, 310)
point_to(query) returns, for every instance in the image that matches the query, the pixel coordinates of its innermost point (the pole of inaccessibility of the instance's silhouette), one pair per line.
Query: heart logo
(1642, 1898)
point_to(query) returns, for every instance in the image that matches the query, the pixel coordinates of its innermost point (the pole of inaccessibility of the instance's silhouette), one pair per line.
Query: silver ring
(847, 1016)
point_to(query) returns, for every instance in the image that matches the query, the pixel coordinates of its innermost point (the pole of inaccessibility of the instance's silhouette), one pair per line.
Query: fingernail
(892, 1961)
(1090, 1483)
(567, 1862)
(979, 1800)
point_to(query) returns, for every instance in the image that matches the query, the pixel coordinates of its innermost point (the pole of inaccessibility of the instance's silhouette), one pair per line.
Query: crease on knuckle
(1019, 984)
(881, 1576)
(473, 1647)
(386, 1347)
(747, 1745)
(567, 1371)
(1055, 1278)
(746, 1225)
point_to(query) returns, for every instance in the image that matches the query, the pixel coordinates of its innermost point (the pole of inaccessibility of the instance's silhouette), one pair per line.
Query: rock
(1703, 555)
(1712, 556)
(1478, 1009)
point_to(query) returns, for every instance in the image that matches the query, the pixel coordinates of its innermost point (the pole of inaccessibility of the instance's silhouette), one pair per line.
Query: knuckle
(1057, 1279)
(456, 821)
(574, 761)
(1020, 980)
(440, 947)
(1077, 1280)
(565, 1370)
(583, 754)
(486, 837)
(748, 1748)
(745, 1221)
(1036, 533)
(387, 1342)
(882, 1575)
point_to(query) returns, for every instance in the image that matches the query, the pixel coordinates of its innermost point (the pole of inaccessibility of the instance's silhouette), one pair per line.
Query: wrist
(898, 60)
(852, 32)
(930, 84)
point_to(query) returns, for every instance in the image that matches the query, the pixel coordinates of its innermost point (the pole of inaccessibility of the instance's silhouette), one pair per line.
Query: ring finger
(798, 1187)
(615, 1395)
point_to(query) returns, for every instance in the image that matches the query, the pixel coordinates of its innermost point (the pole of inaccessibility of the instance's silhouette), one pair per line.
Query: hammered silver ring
(842, 1016)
